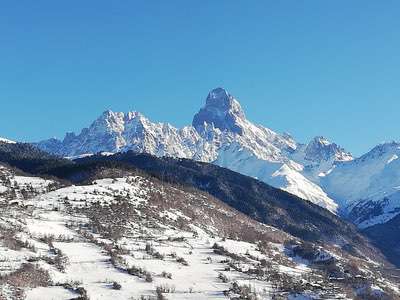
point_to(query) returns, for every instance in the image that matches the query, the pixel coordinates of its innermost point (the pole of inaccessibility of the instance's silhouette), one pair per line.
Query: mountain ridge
(219, 127)
(220, 133)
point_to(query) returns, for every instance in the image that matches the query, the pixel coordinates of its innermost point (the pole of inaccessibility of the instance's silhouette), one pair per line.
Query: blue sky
(305, 67)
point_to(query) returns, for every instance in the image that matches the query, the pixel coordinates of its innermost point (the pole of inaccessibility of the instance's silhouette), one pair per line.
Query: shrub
(158, 255)
(149, 249)
(29, 275)
(148, 277)
(116, 286)
(182, 261)
(159, 295)
(136, 271)
(306, 251)
(83, 293)
(244, 291)
(166, 275)
(223, 277)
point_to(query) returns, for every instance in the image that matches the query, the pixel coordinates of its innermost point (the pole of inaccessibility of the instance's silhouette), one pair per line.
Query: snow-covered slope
(138, 238)
(17, 186)
(368, 187)
(282, 173)
(220, 133)
(4, 140)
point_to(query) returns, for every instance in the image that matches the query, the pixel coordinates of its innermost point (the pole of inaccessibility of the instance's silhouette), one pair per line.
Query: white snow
(372, 178)
(51, 293)
(266, 149)
(4, 140)
(88, 263)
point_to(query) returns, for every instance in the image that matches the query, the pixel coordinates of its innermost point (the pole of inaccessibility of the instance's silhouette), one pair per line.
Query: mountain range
(223, 208)
(364, 189)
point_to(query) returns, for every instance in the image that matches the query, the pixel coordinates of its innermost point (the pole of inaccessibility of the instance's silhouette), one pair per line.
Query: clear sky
(305, 67)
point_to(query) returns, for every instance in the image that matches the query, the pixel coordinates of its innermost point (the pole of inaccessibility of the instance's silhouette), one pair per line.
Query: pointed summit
(320, 149)
(222, 110)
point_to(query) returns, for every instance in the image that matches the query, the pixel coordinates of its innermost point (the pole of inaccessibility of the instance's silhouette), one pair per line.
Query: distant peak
(220, 100)
(222, 110)
(111, 115)
(384, 148)
(218, 93)
(392, 143)
(134, 114)
(321, 140)
(107, 113)
(320, 148)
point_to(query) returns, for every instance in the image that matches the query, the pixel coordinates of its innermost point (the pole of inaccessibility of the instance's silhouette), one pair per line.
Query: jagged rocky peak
(119, 121)
(222, 110)
(321, 149)
(134, 115)
(109, 121)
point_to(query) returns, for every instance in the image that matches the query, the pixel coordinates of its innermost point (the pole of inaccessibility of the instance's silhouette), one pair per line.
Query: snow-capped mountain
(114, 132)
(319, 157)
(220, 133)
(368, 187)
(364, 189)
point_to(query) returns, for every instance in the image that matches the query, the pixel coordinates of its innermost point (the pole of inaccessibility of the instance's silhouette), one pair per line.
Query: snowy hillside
(138, 238)
(4, 140)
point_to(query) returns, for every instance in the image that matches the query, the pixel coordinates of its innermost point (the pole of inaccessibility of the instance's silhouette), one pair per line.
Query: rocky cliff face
(222, 110)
